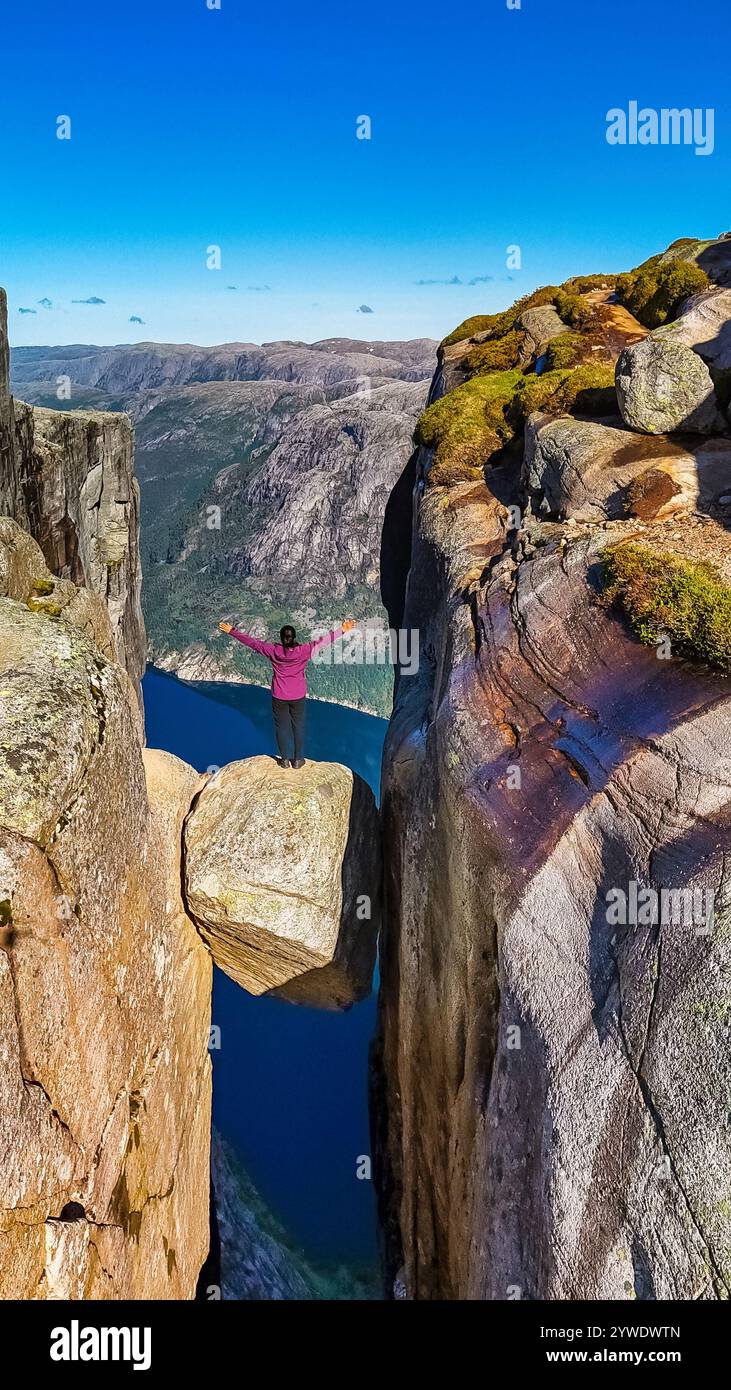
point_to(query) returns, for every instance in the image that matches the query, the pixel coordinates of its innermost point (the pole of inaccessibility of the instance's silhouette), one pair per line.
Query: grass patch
(654, 293)
(567, 350)
(664, 595)
(469, 424)
(496, 355)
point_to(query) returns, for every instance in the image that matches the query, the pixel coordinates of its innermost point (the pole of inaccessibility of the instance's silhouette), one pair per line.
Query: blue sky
(237, 127)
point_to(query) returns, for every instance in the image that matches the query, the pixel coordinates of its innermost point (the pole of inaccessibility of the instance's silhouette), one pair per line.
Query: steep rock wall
(68, 479)
(104, 985)
(551, 1117)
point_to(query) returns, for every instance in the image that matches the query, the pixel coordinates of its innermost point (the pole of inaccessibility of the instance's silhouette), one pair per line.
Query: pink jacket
(288, 680)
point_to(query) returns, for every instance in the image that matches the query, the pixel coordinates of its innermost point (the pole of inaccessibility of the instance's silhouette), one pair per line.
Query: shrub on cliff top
(497, 325)
(580, 284)
(587, 390)
(654, 293)
(664, 595)
(573, 309)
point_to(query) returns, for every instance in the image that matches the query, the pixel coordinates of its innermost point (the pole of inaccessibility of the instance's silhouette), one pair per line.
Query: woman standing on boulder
(289, 686)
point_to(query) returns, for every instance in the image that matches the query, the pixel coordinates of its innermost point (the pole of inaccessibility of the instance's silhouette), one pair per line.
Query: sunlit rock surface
(104, 985)
(282, 874)
(676, 378)
(664, 386)
(584, 468)
(67, 477)
(551, 1085)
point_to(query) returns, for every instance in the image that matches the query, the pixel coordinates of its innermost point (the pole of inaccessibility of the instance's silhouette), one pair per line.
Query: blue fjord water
(289, 1083)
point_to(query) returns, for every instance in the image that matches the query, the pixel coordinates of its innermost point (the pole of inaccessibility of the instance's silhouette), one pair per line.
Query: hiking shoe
(298, 763)
(284, 762)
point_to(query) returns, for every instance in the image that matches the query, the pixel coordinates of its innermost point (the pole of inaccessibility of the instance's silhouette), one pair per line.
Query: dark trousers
(289, 723)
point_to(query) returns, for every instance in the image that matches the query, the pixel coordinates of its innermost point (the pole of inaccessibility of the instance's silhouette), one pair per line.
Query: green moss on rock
(486, 414)
(567, 350)
(587, 390)
(42, 605)
(573, 309)
(496, 355)
(43, 586)
(465, 427)
(664, 595)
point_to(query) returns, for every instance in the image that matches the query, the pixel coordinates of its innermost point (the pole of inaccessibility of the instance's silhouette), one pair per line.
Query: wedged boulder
(104, 986)
(592, 472)
(664, 386)
(282, 875)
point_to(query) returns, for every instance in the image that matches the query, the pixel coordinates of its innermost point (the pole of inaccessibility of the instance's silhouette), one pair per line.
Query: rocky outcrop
(705, 325)
(282, 873)
(540, 325)
(584, 470)
(550, 1090)
(104, 984)
(713, 256)
(7, 421)
(68, 479)
(24, 576)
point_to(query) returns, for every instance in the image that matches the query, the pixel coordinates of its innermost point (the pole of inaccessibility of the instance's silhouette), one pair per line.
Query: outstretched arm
(264, 648)
(331, 636)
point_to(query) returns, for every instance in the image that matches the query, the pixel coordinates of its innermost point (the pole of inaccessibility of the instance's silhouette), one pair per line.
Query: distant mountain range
(298, 445)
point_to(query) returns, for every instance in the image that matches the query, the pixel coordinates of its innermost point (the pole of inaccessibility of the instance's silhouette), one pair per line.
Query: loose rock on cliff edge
(282, 871)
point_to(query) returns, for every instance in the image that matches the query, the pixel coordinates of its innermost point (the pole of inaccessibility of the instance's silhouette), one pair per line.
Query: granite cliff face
(68, 479)
(104, 984)
(105, 981)
(552, 1072)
